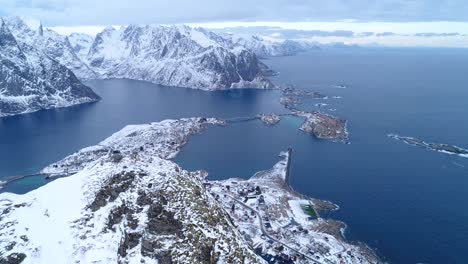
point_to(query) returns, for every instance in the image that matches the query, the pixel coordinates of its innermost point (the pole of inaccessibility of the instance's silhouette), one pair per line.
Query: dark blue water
(32, 141)
(407, 202)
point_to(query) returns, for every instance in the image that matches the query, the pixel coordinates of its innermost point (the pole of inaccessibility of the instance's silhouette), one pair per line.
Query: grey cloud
(385, 34)
(316, 33)
(365, 34)
(428, 35)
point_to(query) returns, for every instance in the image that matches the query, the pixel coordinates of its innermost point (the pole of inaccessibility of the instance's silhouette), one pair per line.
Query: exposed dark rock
(117, 215)
(14, 258)
(116, 158)
(10, 246)
(143, 198)
(128, 241)
(164, 257)
(207, 255)
(162, 221)
(148, 247)
(117, 184)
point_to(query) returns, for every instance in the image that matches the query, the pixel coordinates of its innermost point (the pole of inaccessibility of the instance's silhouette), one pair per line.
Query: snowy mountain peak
(40, 30)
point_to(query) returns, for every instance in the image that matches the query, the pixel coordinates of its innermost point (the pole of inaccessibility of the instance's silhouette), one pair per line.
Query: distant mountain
(175, 56)
(30, 80)
(264, 48)
(81, 43)
(56, 46)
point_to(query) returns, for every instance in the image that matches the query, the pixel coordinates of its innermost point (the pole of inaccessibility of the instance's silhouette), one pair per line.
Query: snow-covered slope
(174, 56)
(31, 81)
(81, 43)
(54, 45)
(128, 204)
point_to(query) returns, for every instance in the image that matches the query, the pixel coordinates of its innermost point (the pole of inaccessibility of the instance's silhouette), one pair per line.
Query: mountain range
(48, 67)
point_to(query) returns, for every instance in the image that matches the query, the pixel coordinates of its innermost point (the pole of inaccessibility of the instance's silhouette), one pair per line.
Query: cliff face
(30, 80)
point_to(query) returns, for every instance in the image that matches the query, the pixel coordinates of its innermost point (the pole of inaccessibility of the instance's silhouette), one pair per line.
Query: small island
(439, 147)
(270, 119)
(324, 126)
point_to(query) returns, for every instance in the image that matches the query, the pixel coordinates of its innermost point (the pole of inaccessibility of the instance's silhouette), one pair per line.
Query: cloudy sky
(401, 20)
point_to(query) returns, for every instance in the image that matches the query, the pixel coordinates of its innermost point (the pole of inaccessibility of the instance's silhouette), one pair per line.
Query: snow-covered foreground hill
(30, 80)
(128, 203)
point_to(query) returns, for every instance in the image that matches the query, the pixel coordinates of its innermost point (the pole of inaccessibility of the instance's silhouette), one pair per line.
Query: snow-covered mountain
(174, 56)
(30, 80)
(81, 44)
(54, 45)
(264, 48)
(168, 55)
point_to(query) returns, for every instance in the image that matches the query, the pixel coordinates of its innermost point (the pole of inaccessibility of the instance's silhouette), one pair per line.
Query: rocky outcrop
(30, 80)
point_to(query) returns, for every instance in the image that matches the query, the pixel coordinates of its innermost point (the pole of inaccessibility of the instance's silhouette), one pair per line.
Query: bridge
(241, 119)
(250, 118)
